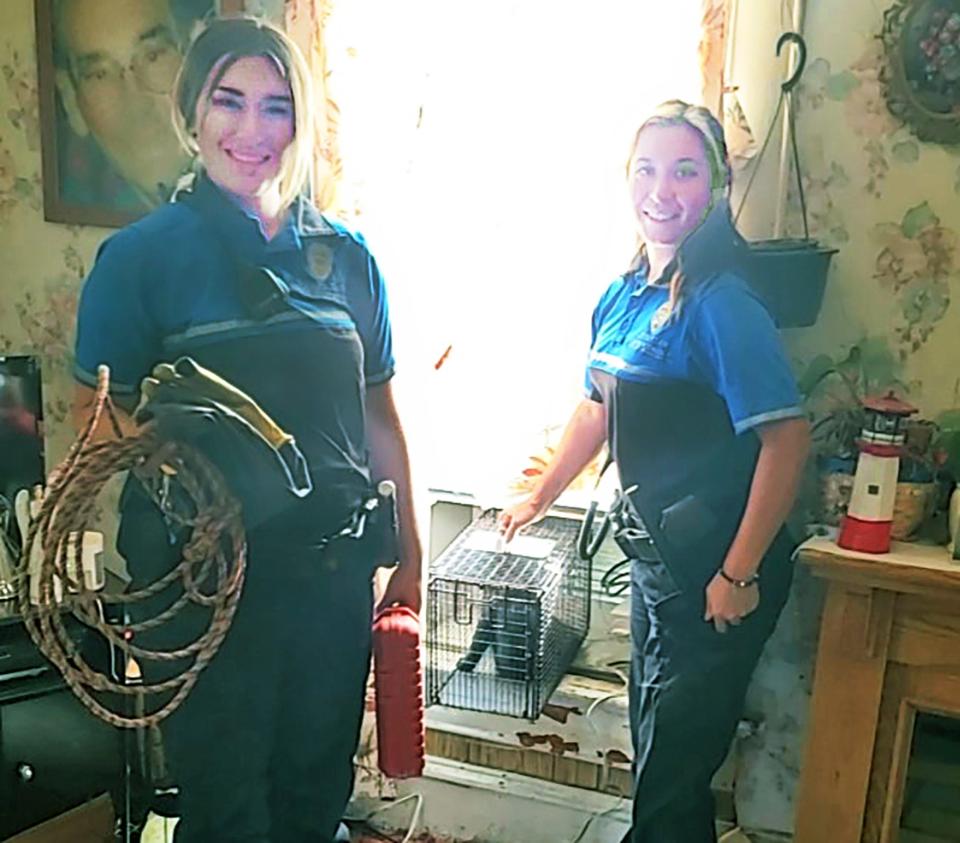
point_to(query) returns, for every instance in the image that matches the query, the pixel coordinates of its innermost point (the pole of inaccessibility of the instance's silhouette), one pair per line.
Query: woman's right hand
(580, 443)
(517, 517)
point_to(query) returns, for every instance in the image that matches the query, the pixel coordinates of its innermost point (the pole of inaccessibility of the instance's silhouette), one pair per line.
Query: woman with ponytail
(688, 384)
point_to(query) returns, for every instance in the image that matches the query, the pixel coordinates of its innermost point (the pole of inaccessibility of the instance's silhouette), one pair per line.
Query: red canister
(399, 692)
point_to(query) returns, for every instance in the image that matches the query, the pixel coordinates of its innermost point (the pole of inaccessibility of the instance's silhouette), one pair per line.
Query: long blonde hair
(212, 52)
(698, 118)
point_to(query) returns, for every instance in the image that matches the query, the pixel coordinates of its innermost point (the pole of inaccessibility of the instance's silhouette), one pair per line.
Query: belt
(369, 530)
(637, 544)
(630, 533)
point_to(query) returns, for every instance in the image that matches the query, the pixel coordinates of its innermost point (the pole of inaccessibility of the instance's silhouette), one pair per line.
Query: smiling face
(243, 126)
(670, 183)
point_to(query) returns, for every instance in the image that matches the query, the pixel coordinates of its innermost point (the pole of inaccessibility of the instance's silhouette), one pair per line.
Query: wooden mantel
(889, 648)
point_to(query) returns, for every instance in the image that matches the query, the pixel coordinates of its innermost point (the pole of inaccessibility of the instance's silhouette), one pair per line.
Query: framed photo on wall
(106, 70)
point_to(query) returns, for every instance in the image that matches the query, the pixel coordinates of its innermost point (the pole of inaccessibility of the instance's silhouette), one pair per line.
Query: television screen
(21, 425)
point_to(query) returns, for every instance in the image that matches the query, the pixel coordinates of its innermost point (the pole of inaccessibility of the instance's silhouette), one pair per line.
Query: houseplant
(947, 453)
(833, 390)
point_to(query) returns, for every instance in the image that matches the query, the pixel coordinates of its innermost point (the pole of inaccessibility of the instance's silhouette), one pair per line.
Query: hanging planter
(789, 274)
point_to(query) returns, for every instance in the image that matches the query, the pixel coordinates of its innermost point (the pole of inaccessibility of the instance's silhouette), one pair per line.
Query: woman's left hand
(728, 603)
(405, 587)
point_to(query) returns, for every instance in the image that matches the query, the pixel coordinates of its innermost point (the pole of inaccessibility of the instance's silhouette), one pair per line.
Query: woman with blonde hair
(244, 275)
(688, 384)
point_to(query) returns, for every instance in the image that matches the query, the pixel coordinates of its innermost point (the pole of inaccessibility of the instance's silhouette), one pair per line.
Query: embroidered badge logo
(320, 260)
(660, 317)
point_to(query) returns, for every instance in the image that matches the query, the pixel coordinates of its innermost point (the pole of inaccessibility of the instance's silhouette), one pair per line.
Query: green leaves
(948, 440)
(817, 369)
(918, 218)
(906, 152)
(839, 85)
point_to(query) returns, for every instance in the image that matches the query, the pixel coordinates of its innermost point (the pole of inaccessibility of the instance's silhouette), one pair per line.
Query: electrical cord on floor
(414, 819)
(594, 817)
(734, 835)
(588, 717)
(612, 667)
(612, 696)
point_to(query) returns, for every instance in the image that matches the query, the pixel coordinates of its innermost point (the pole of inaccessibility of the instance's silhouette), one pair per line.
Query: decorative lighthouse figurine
(866, 526)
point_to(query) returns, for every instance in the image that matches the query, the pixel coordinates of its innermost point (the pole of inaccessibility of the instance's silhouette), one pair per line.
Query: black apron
(688, 472)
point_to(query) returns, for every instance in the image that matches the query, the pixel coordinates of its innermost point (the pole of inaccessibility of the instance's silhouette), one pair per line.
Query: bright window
(484, 145)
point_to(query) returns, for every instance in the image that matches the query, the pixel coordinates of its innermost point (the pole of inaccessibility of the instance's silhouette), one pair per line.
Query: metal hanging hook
(793, 38)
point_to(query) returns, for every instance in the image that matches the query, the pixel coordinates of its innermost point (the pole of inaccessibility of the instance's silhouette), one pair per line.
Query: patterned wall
(889, 202)
(43, 264)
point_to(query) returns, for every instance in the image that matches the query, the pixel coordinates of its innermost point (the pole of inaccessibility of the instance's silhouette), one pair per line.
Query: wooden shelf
(888, 655)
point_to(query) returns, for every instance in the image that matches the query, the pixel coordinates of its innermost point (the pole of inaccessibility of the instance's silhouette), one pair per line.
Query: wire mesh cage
(503, 627)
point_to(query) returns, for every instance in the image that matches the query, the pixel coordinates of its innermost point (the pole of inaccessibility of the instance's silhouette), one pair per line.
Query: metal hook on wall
(797, 39)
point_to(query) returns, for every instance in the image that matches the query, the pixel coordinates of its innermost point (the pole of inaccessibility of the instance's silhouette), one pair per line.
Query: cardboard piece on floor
(91, 822)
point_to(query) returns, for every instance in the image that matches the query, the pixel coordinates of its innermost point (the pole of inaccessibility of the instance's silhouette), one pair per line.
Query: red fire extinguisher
(399, 692)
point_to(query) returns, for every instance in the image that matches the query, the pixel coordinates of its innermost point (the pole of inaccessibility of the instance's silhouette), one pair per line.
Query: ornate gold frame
(906, 97)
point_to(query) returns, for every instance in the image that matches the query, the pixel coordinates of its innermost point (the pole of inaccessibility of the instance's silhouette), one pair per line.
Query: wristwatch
(751, 580)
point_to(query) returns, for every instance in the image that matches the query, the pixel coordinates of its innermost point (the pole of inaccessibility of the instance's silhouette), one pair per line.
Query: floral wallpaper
(858, 89)
(21, 114)
(916, 263)
(886, 200)
(43, 264)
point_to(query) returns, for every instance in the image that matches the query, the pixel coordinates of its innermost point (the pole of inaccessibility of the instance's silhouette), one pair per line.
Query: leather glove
(260, 461)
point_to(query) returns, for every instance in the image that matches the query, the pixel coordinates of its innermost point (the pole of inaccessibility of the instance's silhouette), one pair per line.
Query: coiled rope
(210, 571)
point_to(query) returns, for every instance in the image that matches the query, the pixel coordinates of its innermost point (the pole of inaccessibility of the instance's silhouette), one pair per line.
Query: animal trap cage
(504, 626)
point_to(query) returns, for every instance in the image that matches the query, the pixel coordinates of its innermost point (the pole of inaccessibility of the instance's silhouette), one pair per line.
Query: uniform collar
(309, 221)
(638, 281)
(241, 227)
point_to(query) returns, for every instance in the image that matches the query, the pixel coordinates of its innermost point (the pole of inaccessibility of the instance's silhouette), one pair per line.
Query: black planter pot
(790, 276)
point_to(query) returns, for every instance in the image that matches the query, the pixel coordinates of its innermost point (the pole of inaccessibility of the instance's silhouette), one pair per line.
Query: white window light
(484, 145)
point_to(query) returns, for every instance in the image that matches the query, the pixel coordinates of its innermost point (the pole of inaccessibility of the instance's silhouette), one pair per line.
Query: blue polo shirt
(721, 337)
(176, 283)
(166, 285)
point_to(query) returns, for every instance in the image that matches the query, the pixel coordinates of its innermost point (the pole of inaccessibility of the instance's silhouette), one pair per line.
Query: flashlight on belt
(387, 522)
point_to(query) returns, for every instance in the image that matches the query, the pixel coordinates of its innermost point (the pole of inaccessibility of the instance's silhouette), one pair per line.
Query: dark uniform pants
(687, 687)
(262, 748)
